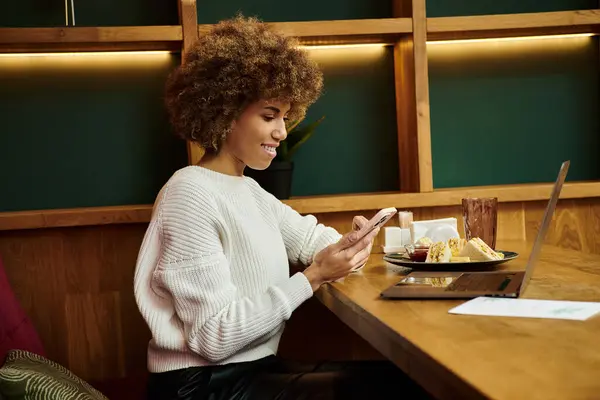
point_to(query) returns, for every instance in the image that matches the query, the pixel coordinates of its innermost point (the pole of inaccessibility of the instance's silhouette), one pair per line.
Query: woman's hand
(358, 222)
(339, 259)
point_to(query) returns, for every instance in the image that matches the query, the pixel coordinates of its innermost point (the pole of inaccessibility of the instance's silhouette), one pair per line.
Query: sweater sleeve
(217, 321)
(303, 235)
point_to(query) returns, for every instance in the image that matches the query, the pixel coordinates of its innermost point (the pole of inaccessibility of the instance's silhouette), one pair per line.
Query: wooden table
(463, 357)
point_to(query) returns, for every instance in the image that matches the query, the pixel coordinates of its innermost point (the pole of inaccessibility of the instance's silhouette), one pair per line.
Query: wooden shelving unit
(513, 25)
(383, 30)
(440, 197)
(409, 31)
(72, 39)
(83, 216)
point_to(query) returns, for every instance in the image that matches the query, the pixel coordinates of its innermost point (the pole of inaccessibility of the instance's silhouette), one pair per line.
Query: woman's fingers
(362, 244)
(346, 242)
(360, 258)
(358, 222)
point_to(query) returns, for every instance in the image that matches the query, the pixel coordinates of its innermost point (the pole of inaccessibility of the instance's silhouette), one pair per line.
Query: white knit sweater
(212, 277)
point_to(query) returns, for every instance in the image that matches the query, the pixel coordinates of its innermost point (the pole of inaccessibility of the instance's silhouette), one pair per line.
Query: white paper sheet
(528, 308)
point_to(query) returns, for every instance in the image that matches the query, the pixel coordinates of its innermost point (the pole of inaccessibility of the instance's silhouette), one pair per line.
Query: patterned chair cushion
(27, 375)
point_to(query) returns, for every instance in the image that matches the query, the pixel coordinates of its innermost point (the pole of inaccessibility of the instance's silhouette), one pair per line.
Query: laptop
(423, 284)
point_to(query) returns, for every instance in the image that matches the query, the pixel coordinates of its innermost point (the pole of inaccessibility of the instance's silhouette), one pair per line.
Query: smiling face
(256, 134)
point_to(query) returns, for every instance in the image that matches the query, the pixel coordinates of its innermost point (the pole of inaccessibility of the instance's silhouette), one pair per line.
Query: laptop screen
(539, 240)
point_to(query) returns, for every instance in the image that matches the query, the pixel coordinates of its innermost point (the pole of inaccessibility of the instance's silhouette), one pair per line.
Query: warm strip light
(341, 46)
(88, 54)
(511, 39)
(311, 47)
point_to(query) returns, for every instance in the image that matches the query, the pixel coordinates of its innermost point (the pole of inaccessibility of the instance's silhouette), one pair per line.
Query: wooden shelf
(510, 25)
(129, 38)
(381, 30)
(440, 197)
(84, 216)
(304, 205)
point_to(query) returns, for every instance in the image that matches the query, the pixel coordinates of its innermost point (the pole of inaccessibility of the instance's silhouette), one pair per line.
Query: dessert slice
(456, 245)
(477, 250)
(438, 252)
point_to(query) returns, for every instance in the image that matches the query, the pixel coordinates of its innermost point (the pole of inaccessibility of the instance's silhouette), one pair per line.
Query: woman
(212, 278)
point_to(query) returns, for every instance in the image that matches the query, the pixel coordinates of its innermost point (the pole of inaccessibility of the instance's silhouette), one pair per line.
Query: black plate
(403, 260)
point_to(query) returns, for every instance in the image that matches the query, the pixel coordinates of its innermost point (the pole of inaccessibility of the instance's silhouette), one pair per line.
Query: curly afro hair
(239, 62)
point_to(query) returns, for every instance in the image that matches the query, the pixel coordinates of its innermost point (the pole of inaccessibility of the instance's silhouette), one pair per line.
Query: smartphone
(378, 220)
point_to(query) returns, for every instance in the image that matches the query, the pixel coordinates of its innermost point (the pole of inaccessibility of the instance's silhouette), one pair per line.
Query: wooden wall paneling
(426, 213)
(511, 221)
(575, 224)
(76, 284)
(34, 262)
(94, 335)
(120, 245)
(595, 222)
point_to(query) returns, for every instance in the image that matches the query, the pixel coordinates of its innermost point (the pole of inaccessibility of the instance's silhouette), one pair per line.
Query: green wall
(126, 12)
(511, 112)
(355, 149)
(51, 13)
(210, 11)
(84, 133)
(32, 13)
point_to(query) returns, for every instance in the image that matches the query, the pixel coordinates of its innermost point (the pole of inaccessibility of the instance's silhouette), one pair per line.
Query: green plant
(297, 136)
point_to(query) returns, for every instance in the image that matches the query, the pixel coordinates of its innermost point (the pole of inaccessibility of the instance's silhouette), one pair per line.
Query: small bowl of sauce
(417, 253)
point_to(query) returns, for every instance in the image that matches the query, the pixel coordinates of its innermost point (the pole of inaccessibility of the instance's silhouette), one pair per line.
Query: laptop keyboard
(481, 282)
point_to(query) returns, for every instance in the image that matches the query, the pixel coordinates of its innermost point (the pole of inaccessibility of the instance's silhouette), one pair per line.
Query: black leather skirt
(271, 378)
